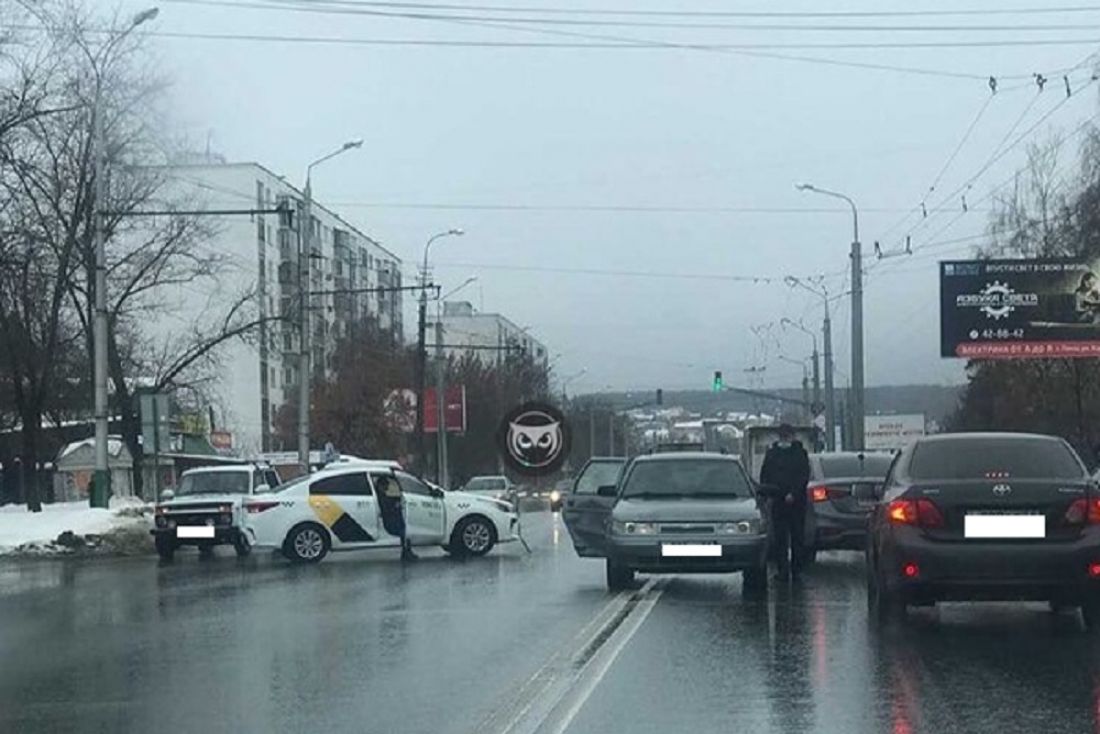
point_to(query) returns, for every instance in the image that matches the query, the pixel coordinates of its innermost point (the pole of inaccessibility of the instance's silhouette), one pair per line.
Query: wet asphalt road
(361, 643)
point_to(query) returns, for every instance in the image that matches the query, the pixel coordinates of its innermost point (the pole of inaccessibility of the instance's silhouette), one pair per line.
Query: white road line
(596, 668)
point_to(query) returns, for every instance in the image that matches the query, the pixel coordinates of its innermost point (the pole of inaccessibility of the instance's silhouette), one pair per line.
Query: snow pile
(64, 527)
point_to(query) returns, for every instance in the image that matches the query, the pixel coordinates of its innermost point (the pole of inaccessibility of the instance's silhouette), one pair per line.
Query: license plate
(1005, 526)
(195, 531)
(691, 550)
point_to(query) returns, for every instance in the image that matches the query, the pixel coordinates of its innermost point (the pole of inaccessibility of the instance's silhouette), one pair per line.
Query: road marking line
(532, 703)
(594, 670)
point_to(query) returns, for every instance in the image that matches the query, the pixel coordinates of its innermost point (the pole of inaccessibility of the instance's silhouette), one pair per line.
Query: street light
(102, 486)
(421, 350)
(565, 382)
(827, 333)
(305, 255)
(468, 281)
(857, 409)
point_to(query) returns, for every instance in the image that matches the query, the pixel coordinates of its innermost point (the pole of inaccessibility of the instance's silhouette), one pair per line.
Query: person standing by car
(786, 472)
(393, 513)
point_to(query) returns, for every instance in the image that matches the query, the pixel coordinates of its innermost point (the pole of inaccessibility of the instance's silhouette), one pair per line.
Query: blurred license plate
(194, 531)
(691, 550)
(1005, 526)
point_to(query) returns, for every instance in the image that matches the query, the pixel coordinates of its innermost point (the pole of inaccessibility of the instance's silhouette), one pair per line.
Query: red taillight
(911, 570)
(923, 513)
(1094, 570)
(822, 494)
(1082, 511)
(253, 508)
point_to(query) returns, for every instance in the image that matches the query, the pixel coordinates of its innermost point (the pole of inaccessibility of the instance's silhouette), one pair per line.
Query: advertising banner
(1019, 309)
(891, 432)
(454, 409)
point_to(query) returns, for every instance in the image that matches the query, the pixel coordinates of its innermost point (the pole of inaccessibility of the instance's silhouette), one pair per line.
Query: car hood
(203, 499)
(685, 510)
(479, 499)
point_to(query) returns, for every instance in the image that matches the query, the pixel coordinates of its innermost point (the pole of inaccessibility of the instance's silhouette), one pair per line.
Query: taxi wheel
(242, 546)
(473, 536)
(166, 548)
(306, 543)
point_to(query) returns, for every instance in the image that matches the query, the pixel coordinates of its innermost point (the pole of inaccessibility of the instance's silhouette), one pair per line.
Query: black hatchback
(985, 516)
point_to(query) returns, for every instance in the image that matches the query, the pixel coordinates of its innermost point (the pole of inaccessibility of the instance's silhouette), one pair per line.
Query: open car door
(585, 511)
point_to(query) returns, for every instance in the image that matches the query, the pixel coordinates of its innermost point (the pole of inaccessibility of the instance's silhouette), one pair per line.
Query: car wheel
(619, 577)
(754, 579)
(166, 548)
(473, 536)
(307, 543)
(1090, 612)
(241, 545)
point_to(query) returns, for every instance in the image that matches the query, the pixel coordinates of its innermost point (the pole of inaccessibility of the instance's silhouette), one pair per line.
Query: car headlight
(633, 528)
(741, 527)
(555, 495)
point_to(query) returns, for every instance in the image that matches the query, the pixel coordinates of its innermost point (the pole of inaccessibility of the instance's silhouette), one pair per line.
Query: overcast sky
(722, 137)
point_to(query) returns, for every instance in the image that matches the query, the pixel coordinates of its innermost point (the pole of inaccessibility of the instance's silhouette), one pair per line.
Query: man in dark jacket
(786, 472)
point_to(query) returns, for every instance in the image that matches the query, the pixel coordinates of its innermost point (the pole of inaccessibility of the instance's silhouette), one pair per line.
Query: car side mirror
(607, 490)
(437, 493)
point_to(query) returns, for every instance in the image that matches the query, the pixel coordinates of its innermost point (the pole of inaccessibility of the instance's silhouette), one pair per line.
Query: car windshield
(486, 484)
(692, 478)
(221, 482)
(999, 458)
(598, 474)
(847, 466)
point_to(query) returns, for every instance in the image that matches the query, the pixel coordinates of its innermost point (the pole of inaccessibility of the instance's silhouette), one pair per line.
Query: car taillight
(822, 493)
(253, 508)
(923, 513)
(1094, 570)
(1082, 511)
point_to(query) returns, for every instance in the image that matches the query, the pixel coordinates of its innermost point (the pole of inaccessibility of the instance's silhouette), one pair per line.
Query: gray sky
(714, 132)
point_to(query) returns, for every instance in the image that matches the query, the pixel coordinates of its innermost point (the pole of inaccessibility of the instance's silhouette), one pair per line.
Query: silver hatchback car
(688, 512)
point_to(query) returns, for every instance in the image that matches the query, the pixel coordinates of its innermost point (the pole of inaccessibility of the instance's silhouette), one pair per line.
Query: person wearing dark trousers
(393, 515)
(786, 472)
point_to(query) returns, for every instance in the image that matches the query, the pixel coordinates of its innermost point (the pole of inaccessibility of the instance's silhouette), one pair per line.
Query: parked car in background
(985, 516)
(558, 494)
(841, 494)
(496, 486)
(207, 508)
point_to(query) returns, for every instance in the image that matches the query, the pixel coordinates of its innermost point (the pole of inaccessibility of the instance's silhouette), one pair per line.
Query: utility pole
(591, 431)
(830, 396)
(101, 489)
(855, 404)
(305, 257)
(611, 433)
(440, 406)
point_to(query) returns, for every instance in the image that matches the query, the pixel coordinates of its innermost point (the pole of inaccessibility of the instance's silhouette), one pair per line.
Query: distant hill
(935, 401)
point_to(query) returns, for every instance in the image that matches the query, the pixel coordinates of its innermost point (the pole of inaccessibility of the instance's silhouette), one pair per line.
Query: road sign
(155, 422)
(891, 432)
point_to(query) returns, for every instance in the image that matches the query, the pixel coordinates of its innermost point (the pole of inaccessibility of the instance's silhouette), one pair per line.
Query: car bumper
(982, 570)
(645, 555)
(222, 536)
(835, 532)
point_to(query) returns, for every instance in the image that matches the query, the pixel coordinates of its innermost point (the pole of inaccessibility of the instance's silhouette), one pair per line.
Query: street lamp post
(816, 361)
(102, 486)
(421, 349)
(442, 461)
(827, 334)
(565, 383)
(305, 232)
(857, 406)
(805, 384)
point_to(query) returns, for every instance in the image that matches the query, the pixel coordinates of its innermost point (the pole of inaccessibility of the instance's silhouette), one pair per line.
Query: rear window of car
(995, 459)
(598, 474)
(872, 465)
(687, 479)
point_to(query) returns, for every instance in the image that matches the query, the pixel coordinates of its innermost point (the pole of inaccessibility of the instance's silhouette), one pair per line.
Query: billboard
(454, 409)
(1013, 309)
(890, 432)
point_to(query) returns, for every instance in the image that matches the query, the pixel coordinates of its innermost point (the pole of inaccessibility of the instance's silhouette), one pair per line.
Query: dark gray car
(840, 497)
(675, 513)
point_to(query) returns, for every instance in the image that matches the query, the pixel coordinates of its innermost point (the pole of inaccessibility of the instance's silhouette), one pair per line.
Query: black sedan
(986, 516)
(841, 496)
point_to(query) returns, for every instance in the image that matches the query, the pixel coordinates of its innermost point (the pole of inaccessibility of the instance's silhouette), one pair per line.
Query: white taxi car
(340, 508)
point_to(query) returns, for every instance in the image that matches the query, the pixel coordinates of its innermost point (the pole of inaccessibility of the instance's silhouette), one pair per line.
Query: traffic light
(717, 381)
(660, 396)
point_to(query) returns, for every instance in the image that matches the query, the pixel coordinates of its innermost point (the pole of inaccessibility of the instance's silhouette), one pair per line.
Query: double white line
(547, 702)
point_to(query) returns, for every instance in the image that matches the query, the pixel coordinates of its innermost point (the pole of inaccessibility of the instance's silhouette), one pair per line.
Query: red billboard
(454, 410)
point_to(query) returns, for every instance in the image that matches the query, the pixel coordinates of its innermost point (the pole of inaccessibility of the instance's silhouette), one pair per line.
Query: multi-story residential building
(487, 336)
(347, 274)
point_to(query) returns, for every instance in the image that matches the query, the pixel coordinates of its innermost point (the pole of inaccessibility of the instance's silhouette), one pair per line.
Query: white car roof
(221, 469)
